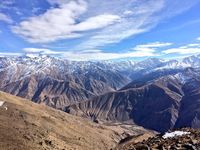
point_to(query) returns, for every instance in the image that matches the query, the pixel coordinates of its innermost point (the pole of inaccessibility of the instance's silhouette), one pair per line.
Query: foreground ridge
(28, 126)
(187, 139)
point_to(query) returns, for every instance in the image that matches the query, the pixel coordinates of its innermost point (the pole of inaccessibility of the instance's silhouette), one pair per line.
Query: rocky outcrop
(189, 141)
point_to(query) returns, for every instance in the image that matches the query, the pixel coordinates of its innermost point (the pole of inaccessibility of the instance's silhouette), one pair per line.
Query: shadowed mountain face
(189, 114)
(154, 93)
(160, 104)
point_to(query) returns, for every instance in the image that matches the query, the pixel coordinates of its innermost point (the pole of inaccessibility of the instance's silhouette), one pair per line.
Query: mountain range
(156, 94)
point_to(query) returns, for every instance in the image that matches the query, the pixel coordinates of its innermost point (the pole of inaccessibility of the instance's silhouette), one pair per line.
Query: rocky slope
(25, 125)
(183, 139)
(160, 104)
(57, 82)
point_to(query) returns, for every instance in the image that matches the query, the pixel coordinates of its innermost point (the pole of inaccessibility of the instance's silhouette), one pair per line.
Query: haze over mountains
(156, 94)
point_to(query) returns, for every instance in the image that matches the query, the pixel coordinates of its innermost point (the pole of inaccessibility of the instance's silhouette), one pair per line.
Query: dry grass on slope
(28, 126)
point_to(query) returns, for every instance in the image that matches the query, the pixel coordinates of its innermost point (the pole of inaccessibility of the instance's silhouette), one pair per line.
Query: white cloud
(145, 50)
(183, 50)
(128, 12)
(89, 54)
(141, 21)
(155, 44)
(5, 18)
(114, 16)
(95, 23)
(40, 50)
(3, 54)
(102, 39)
(198, 38)
(151, 47)
(147, 14)
(60, 23)
(99, 55)
(53, 25)
(191, 45)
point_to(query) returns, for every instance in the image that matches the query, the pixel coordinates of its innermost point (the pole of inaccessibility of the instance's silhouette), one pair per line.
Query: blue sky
(98, 30)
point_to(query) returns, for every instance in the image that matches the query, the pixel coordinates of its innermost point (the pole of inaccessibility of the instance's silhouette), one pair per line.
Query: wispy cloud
(193, 48)
(6, 4)
(146, 16)
(154, 49)
(112, 20)
(5, 18)
(53, 25)
(198, 38)
(104, 56)
(151, 47)
(60, 23)
(88, 54)
(40, 50)
(4, 54)
(96, 24)
(145, 50)
(131, 24)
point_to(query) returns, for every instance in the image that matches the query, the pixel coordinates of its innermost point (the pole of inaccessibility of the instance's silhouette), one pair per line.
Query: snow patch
(6, 108)
(1, 103)
(182, 78)
(174, 134)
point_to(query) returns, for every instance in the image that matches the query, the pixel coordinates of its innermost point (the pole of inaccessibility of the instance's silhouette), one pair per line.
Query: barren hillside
(25, 125)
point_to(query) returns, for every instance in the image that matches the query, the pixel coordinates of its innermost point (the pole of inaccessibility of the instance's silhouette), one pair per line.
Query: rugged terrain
(159, 104)
(57, 82)
(28, 126)
(183, 139)
(156, 94)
